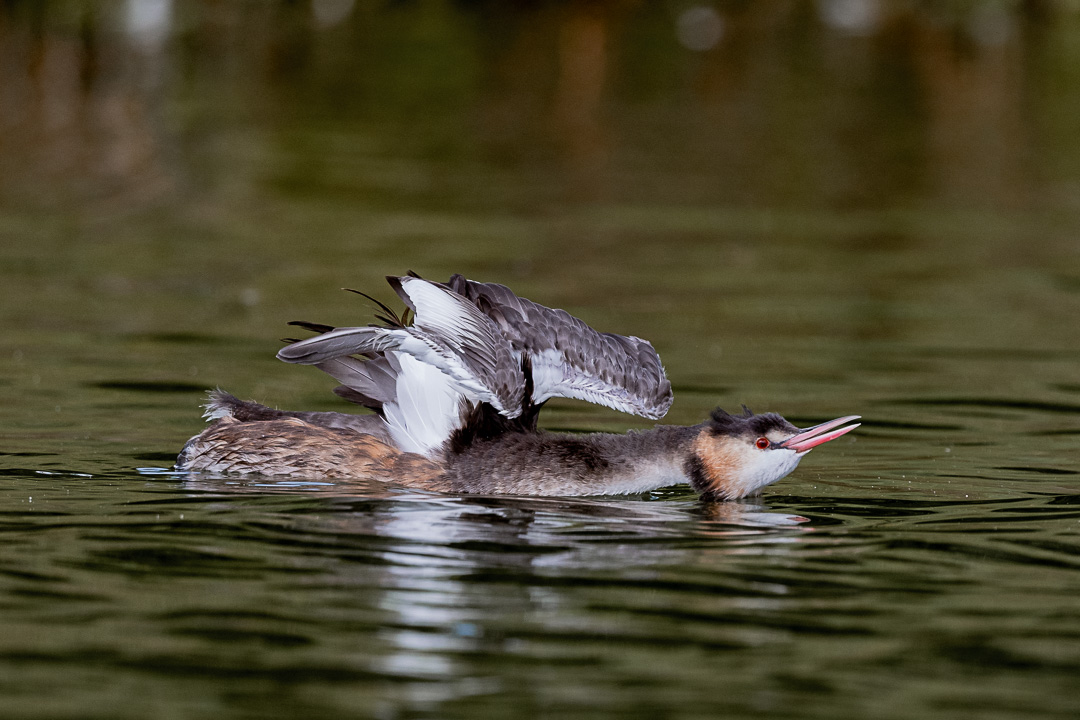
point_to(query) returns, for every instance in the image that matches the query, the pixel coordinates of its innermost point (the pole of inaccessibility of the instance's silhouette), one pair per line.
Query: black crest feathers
(747, 423)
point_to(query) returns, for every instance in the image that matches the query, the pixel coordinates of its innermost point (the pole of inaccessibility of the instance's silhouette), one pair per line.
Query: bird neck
(562, 464)
(709, 467)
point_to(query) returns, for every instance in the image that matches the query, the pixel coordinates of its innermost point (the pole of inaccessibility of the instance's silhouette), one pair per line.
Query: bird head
(735, 456)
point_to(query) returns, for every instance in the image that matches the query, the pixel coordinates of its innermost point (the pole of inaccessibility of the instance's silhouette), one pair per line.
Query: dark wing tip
(313, 327)
(354, 396)
(395, 283)
(387, 316)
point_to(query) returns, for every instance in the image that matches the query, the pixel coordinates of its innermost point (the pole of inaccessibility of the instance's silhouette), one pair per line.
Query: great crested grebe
(456, 394)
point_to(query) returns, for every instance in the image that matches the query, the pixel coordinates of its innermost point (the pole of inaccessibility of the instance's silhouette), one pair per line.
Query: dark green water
(820, 214)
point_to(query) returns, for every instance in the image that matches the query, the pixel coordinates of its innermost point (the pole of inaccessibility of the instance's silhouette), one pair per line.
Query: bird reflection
(448, 581)
(442, 518)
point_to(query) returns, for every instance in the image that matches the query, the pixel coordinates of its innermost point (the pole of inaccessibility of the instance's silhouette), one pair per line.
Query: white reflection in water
(440, 612)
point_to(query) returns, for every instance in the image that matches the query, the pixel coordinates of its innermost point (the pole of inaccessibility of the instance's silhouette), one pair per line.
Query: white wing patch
(549, 374)
(448, 315)
(427, 408)
(553, 376)
(468, 345)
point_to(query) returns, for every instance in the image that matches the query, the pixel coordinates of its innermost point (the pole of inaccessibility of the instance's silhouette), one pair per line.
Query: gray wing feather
(339, 342)
(373, 382)
(571, 359)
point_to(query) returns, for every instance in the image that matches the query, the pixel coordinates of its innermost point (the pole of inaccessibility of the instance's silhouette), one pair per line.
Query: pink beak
(819, 434)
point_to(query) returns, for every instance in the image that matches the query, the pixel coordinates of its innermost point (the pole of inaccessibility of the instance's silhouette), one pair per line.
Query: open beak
(819, 434)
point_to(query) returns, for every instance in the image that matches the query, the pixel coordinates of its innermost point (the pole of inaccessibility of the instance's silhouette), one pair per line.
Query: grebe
(456, 394)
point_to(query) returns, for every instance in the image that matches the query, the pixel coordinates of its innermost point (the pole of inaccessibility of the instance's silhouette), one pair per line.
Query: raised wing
(571, 359)
(473, 343)
(468, 334)
(449, 334)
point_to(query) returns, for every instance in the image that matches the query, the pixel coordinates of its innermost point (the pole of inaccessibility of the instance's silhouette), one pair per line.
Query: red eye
(762, 443)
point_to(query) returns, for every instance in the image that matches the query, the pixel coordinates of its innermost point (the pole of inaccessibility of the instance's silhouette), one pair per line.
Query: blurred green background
(725, 179)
